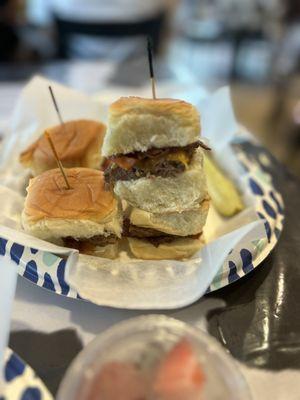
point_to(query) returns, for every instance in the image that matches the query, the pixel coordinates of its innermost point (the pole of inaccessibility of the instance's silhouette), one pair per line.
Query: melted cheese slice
(180, 156)
(128, 162)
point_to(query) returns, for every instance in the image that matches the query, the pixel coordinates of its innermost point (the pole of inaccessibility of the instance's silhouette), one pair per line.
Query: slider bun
(186, 223)
(109, 251)
(176, 250)
(183, 192)
(84, 211)
(137, 124)
(78, 144)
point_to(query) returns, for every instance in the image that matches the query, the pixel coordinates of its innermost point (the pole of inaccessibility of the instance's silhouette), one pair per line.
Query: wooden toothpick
(48, 137)
(150, 60)
(55, 105)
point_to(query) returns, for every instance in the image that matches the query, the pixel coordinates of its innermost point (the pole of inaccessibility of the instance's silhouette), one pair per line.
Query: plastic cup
(144, 341)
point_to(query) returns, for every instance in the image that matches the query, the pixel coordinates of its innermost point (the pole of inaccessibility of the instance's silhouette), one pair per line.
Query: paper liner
(126, 282)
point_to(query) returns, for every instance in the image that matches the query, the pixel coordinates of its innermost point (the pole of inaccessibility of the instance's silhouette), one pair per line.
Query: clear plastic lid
(144, 342)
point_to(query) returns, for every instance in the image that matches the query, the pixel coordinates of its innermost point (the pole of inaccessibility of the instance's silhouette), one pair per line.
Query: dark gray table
(260, 323)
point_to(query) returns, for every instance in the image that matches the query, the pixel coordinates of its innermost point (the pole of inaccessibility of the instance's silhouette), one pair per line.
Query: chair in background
(8, 36)
(152, 27)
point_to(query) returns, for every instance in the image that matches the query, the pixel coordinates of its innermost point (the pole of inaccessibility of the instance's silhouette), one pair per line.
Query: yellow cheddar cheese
(179, 156)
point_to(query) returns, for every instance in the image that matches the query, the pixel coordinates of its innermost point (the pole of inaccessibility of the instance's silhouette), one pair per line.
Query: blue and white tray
(48, 270)
(237, 248)
(269, 206)
(20, 381)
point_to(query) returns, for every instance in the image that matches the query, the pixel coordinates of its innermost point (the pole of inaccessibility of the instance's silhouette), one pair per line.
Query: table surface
(255, 318)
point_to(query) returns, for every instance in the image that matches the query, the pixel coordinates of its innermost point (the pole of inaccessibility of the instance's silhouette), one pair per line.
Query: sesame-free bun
(78, 144)
(86, 210)
(159, 195)
(137, 124)
(108, 251)
(185, 223)
(176, 250)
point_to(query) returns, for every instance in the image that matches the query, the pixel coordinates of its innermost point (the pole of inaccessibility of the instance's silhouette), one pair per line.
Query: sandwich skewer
(48, 137)
(150, 60)
(152, 79)
(55, 105)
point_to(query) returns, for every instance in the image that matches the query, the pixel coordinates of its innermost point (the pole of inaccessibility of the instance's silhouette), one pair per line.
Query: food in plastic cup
(153, 358)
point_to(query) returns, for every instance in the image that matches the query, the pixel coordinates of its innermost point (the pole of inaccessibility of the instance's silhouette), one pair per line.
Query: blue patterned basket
(269, 207)
(20, 381)
(48, 270)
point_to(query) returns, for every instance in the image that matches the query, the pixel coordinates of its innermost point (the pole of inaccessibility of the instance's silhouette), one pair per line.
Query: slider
(153, 148)
(78, 144)
(84, 217)
(155, 164)
(166, 236)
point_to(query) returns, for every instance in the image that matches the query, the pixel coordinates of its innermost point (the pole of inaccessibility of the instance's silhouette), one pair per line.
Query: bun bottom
(176, 250)
(109, 251)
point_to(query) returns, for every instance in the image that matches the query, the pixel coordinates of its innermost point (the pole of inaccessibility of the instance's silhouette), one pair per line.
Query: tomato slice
(124, 162)
(179, 375)
(118, 381)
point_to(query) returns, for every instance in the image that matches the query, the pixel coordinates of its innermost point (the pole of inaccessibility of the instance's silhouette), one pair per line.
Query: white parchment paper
(126, 282)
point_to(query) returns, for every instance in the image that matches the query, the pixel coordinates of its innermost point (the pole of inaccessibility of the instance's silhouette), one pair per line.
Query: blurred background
(253, 45)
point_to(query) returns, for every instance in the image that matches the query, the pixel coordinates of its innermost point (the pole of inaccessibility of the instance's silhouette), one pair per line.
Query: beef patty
(166, 162)
(88, 245)
(155, 152)
(153, 236)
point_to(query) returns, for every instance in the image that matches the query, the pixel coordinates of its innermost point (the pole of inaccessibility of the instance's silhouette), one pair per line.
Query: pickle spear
(224, 195)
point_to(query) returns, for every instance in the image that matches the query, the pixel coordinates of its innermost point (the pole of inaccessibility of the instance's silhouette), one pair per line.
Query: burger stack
(155, 166)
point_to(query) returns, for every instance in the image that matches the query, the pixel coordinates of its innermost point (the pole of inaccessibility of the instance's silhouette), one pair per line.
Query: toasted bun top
(72, 139)
(47, 196)
(138, 124)
(166, 106)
